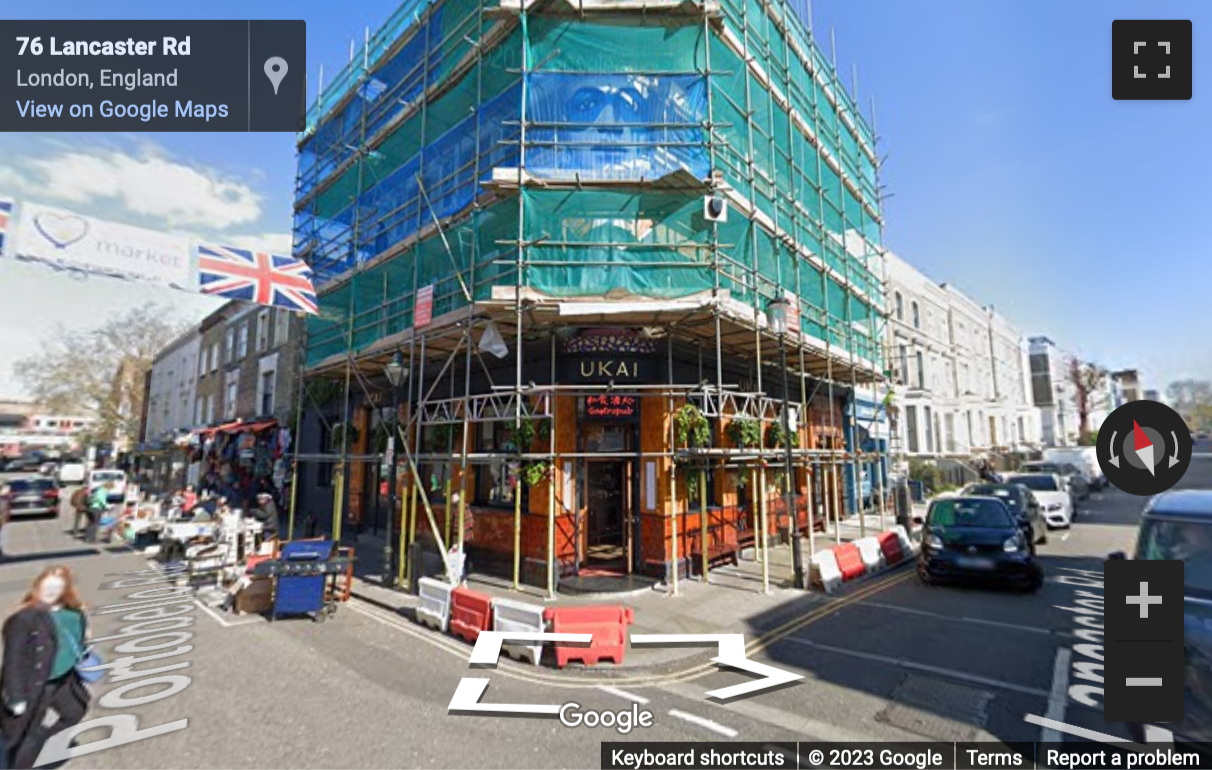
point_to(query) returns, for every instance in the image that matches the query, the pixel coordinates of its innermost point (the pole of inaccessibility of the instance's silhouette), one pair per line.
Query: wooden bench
(724, 552)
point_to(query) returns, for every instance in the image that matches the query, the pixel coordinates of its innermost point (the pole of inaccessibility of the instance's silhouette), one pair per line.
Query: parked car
(1021, 502)
(27, 463)
(976, 539)
(32, 496)
(72, 471)
(1075, 481)
(1085, 458)
(1055, 502)
(1178, 525)
(117, 492)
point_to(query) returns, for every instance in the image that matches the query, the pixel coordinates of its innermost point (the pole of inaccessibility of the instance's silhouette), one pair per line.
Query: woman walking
(44, 641)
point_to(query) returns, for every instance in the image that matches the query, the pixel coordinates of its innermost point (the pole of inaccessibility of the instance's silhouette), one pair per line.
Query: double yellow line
(551, 679)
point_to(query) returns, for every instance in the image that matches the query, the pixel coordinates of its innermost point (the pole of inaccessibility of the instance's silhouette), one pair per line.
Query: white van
(1084, 457)
(71, 471)
(117, 492)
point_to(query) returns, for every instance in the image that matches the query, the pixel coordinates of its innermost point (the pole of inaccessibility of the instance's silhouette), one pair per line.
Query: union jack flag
(255, 276)
(6, 211)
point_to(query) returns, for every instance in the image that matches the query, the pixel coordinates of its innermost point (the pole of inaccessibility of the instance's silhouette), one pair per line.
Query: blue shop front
(867, 434)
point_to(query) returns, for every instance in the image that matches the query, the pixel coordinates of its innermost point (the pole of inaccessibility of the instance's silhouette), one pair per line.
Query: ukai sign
(604, 368)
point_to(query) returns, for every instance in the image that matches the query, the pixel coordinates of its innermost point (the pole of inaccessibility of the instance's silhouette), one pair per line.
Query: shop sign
(612, 407)
(607, 368)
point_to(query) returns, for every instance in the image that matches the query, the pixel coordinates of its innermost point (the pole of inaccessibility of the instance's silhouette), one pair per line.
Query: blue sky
(1014, 174)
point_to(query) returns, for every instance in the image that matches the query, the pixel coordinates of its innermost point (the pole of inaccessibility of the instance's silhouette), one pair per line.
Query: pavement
(890, 659)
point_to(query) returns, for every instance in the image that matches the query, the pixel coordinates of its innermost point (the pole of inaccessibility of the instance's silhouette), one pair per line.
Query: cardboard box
(257, 597)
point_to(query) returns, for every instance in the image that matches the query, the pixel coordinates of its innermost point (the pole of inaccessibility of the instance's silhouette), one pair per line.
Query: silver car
(33, 496)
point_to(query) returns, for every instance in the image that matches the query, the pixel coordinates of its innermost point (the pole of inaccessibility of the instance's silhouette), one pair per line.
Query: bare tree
(1088, 380)
(99, 372)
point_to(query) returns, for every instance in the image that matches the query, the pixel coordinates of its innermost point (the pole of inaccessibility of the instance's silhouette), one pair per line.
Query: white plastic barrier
(907, 546)
(509, 615)
(873, 557)
(433, 609)
(824, 571)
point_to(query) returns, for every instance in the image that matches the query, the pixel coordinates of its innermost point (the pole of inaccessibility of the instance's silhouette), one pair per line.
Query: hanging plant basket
(777, 439)
(523, 433)
(691, 428)
(535, 473)
(744, 432)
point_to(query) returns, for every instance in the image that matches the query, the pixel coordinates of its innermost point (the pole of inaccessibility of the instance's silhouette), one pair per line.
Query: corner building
(581, 225)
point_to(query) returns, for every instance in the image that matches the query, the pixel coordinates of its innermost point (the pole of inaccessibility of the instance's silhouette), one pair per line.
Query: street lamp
(395, 373)
(777, 311)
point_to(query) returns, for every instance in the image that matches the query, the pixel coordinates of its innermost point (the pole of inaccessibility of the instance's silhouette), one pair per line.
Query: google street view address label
(153, 75)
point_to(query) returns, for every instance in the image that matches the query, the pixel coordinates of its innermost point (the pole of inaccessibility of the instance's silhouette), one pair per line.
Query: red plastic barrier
(608, 624)
(849, 560)
(890, 544)
(470, 613)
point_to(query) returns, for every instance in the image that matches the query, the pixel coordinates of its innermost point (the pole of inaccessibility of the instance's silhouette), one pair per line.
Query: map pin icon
(275, 70)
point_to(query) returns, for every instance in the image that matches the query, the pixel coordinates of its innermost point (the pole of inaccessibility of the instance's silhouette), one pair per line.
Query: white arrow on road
(1174, 457)
(1114, 460)
(732, 653)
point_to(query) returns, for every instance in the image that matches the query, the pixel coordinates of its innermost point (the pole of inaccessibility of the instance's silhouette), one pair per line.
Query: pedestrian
(79, 503)
(189, 498)
(98, 506)
(5, 493)
(44, 641)
(266, 512)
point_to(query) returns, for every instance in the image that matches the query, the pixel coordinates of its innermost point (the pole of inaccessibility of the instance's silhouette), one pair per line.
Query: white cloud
(274, 243)
(148, 184)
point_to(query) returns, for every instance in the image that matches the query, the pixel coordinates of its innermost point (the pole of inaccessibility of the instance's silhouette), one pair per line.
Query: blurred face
(51, 589)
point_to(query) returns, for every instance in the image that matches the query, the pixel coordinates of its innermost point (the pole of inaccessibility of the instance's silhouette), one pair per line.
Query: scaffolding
(501, 173)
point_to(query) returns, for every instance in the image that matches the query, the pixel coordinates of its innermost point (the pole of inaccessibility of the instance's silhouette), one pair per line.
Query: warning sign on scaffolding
(422, 312)
(793, 312)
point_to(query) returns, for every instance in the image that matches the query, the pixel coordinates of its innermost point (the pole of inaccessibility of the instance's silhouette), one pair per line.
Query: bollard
(415, 562)
(904, 507)
(800, 580)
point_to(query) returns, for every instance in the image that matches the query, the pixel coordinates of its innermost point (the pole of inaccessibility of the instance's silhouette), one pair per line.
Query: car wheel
(925, 576)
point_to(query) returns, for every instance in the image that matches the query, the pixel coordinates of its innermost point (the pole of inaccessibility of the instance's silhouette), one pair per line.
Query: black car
(976, 539)
(1178, 525)
(27, 463)
(1022, 504)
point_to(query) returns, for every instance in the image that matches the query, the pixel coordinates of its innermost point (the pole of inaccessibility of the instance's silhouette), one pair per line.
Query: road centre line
(640, 699)
(901, 662)
(951, 618)
(714, 727)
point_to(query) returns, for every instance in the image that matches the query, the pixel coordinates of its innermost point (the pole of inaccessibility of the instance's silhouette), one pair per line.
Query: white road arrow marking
(732, 653)
(1114, 460)
(1174, 457)
(485, 653)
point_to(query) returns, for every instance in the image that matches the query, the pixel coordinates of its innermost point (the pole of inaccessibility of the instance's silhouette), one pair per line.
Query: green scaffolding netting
(630, 99)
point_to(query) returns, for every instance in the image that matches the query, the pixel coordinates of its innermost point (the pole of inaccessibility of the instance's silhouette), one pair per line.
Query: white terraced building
(963, 382)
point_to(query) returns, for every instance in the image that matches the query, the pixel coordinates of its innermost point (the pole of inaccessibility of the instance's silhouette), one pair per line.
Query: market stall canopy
(239, 426)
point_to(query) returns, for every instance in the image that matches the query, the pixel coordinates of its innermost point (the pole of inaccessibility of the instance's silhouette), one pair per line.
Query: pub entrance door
(607, 517)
